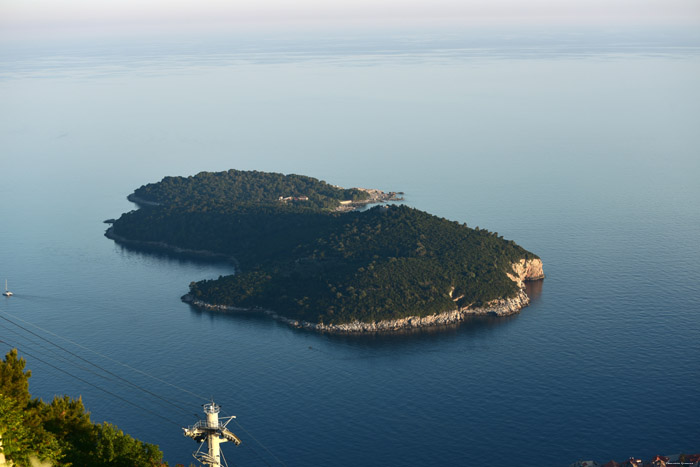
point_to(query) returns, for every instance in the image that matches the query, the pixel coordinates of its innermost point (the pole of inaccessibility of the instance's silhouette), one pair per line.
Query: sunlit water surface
(588, 159)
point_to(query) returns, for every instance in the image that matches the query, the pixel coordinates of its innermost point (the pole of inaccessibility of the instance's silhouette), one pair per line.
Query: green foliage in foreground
(60, 432)
(322, 266)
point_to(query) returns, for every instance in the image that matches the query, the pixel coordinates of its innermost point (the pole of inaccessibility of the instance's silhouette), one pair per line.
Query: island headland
(304, 254)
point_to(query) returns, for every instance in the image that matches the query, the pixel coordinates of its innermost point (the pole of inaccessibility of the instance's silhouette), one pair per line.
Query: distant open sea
(584, 149)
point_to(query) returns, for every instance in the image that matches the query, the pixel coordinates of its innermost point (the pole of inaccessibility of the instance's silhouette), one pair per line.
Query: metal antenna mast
(214, 433)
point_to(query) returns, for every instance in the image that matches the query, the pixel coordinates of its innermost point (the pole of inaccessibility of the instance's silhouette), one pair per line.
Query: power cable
(257, 454)
(223, 458)
(60, 357)
(123, 379)
(110, 358)
(261, 444)
(94, 385)
(46, 349)
(103, 369)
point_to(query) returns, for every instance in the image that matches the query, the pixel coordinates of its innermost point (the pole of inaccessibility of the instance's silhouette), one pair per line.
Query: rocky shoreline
(525, 270)
(375, 197)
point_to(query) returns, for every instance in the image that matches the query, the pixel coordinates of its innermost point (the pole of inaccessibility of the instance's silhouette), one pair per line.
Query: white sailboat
(7, 293)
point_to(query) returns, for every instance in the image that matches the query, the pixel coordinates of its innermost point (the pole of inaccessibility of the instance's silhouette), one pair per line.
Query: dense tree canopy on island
(236, 187)
(311, 263)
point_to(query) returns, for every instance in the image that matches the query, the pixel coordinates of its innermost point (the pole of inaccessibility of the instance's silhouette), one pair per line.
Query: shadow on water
(407, 337)
(533, 289)
(477, 324)
(473, 325)
(38, 298)
(244, 316)
(166, 254)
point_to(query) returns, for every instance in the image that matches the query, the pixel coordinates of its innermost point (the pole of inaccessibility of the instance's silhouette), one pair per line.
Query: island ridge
(304, 254)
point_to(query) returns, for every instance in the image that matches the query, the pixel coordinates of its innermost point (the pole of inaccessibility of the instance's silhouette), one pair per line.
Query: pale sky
(44, 16)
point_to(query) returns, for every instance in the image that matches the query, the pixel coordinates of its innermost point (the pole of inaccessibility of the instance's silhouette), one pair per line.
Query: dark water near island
(589, 159)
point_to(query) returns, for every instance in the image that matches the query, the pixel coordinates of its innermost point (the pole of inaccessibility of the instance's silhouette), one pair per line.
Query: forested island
(305, 255)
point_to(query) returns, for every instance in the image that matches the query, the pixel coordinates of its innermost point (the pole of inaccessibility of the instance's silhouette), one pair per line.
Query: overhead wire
(48, 350)
(101, 368)
(93, 385)
(261, 444)
(120, 378)
(112, 359)
(59, 357)
(25, 338)
(257, 454)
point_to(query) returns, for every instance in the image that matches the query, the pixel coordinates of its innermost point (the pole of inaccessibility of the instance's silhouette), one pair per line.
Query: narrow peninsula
(305, 254)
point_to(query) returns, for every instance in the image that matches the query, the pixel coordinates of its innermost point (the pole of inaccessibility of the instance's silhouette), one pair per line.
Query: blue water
(586, 156)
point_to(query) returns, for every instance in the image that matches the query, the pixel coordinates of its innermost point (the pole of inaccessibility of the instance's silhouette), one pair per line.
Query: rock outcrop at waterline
(527, 270)
(524, 270)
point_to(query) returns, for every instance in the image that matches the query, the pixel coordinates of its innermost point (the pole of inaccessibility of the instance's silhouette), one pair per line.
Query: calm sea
(583, 151)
